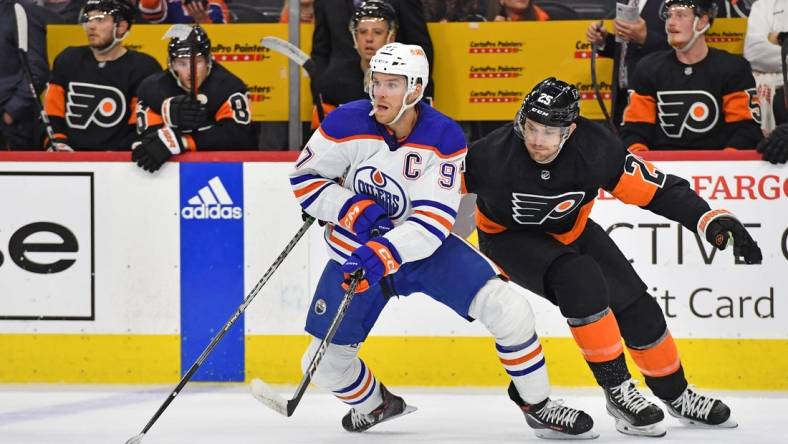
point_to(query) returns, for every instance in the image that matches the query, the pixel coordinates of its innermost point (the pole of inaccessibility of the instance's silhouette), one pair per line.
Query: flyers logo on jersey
(533, 209)
(695, 111)
(89, 103)
(384, 189)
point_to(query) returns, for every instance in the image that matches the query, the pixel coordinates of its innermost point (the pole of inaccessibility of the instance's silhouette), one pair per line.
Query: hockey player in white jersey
(386, 177)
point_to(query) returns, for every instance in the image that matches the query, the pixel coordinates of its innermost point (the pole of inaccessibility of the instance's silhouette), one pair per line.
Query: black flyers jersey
(711, 104)
(227, 103)
(92, 104)
(516, 193)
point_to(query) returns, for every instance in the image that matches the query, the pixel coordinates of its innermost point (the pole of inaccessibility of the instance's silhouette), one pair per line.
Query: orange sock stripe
(599, 341)
(359, 391)
(522, 359)
(659, 360)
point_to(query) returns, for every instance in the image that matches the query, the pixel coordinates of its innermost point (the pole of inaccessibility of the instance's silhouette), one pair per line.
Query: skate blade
(728, 424)
(554, 434)
(408, 410)
(656, 430)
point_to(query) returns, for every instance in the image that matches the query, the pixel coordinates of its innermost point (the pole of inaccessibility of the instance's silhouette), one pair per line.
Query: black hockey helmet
(699, 7)
(552, 102)
(182, 47)
(118, 9)
(379, 9)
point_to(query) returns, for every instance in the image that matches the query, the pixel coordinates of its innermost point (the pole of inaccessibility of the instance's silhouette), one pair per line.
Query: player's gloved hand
(155, 148)
(375, 259)
(362, 216)
(774, 148)
(720, 227)
(184, 112)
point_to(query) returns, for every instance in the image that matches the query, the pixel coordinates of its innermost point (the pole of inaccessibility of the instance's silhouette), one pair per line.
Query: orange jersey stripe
(345, 139)
(436, 150)
(486, 224)
(599, 341)
(634, 188)
(659, 360)
(311, 187)
(133, 107)
(522, 359)
(580, 225)
(441, 220)
(225, 112)
(736, 106)
(641, 109)
(55, 102)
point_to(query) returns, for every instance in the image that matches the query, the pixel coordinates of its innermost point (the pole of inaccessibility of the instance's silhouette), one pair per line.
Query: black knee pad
(577, 285)
(641, 322)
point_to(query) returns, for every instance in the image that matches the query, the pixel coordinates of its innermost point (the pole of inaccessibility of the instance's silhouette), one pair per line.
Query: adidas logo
(212, 202)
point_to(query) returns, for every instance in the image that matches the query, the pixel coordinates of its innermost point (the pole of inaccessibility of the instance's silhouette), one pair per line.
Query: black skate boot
(702, 411)
(552, 420)
(391, 407)
(634, 414)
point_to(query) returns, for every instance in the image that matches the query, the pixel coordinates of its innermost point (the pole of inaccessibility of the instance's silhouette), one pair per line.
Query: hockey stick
(265, 394)
(21, 29)
(218, 337)
(301, 59)
(595, 85)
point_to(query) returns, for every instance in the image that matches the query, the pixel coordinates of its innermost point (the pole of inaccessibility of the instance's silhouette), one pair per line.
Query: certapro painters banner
(481, 71)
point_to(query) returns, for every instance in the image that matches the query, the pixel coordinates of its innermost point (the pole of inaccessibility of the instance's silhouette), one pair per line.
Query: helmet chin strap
(115, 41)
(695, 35)
(405, 105)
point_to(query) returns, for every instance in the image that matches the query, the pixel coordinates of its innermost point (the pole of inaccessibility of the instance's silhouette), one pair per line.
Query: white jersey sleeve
(317, 177)
(766, 16)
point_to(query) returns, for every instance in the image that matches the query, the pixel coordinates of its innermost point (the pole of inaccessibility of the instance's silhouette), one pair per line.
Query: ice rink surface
(203, 414)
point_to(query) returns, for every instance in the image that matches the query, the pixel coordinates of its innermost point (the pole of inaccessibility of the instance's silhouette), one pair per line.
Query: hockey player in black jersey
(92, 95)
(536, 180)
(172, 120)
(691, 96)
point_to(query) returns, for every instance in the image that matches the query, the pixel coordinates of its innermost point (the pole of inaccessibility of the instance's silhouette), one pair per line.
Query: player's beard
(103, 44)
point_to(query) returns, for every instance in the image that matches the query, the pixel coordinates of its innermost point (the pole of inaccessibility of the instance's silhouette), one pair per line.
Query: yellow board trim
(734, 364)
(101, 359)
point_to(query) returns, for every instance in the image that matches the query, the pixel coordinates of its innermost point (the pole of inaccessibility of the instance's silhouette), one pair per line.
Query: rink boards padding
(95, 288)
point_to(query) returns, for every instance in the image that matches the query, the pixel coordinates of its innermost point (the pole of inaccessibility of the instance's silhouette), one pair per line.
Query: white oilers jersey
(416, 180)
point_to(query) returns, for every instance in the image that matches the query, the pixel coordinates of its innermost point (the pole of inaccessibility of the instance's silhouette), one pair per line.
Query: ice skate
(392, 407)
(633, 413)
(698, 410)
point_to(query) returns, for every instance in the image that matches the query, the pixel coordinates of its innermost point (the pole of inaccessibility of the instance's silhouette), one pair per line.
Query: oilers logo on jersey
(384, 189)
(534, 209)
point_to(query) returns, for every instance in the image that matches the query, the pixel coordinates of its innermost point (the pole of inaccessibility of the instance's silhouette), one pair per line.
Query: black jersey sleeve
(640, 115)
(739, 102)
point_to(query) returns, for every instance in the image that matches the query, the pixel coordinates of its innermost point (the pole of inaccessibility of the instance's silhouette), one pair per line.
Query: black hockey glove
(155, 148)
(720, 229)
(184, 112)
(774, 148)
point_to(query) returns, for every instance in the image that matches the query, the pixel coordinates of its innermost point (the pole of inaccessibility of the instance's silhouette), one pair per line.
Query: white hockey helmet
(404, 60)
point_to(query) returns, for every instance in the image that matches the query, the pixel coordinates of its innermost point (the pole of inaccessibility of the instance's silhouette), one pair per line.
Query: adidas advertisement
(211, 202)
(46, 246)
(212, 267)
